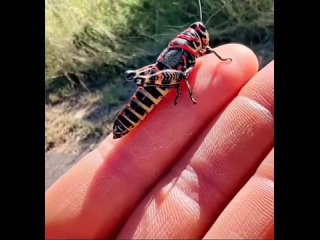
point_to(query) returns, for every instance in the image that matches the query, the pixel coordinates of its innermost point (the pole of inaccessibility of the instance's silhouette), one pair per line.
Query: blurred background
(89, 44)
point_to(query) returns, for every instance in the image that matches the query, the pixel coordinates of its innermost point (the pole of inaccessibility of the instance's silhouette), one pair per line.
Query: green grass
(92, 42)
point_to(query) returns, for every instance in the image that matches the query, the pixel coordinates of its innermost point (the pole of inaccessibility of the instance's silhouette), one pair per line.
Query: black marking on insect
(172, 68)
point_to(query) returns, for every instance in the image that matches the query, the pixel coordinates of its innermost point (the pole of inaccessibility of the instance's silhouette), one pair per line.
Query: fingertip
(241, 57)
(223, 79)
(261, 88)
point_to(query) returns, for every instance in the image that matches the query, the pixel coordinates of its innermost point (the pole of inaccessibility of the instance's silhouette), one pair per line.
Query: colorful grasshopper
(170, 70)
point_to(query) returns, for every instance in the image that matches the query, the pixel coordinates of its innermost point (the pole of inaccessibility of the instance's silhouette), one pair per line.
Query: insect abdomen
(141, 103)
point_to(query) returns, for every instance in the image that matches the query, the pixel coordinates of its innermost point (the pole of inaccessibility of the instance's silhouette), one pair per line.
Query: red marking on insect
(171, 69)
(188, 37)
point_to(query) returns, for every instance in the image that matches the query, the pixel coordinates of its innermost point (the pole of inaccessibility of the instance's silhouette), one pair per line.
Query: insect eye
(202, 28)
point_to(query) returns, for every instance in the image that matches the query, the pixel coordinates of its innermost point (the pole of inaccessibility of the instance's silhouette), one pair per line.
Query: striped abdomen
(141, 103)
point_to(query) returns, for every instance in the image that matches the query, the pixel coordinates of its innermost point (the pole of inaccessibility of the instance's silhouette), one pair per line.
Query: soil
(74, 127)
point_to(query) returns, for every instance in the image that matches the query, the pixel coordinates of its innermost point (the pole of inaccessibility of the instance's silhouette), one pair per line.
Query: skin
(187, 171)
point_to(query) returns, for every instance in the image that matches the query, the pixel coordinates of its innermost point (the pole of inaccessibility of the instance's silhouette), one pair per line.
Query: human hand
(187, 171)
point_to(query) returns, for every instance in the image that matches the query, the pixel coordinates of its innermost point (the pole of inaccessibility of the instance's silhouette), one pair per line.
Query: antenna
(223, 6)
(200, 10)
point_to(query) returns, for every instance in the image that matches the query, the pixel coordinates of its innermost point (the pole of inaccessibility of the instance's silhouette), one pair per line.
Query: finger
(250, 214)
(186, 202)
(98, 194)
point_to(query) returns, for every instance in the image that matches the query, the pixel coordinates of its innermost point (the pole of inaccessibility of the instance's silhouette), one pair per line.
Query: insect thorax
(178, 59)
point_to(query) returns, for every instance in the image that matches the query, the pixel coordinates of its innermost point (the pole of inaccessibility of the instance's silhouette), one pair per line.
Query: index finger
(97, 194)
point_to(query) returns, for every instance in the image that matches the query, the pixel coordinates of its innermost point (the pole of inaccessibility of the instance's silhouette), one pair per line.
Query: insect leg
(163, 78)
(168, 78)
(210, 50)
(190, 92)
(186, 74)
(131, 74)
(178, 94)
(171, 79)
(147, 69)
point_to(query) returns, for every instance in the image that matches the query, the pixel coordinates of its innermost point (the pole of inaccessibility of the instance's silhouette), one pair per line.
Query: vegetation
(90, 42)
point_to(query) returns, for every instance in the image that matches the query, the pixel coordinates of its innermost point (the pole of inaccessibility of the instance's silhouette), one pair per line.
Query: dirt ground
(72, 129)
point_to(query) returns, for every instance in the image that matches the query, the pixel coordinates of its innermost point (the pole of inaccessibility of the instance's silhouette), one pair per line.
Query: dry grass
(66, 128)
(104, 36)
